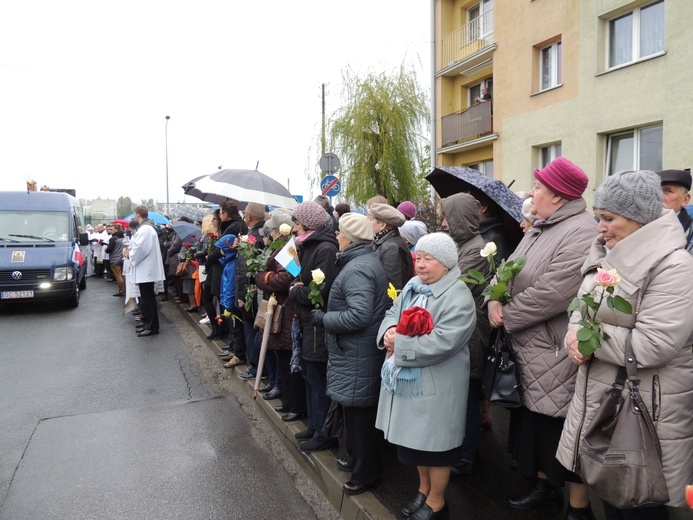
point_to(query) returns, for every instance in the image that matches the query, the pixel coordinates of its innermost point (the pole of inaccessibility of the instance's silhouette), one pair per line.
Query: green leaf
(583, 335)
(605, 336)
(498, 290)
(573, 305)
(622, 305)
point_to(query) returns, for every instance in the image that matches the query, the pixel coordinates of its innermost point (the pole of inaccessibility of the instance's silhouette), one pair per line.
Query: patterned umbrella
(448, 180)
(241, 186)
(193, 213)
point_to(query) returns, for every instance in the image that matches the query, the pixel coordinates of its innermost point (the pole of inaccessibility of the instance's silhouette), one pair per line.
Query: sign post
(330, 185)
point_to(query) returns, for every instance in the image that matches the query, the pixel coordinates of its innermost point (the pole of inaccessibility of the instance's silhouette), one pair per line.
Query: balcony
(467, 125)
(469, 47)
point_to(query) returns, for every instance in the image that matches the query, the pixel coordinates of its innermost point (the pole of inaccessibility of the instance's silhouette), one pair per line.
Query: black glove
(200, 255)
(316, 317)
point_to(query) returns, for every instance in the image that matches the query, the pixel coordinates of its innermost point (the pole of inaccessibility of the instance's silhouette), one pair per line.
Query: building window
(485, 167)
(548, 154)
(550, 67)
(480, 20)
(636, 35)
(637, 149)
(474, 91)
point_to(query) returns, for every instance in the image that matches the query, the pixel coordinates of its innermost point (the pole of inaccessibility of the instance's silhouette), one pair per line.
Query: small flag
(77, 257)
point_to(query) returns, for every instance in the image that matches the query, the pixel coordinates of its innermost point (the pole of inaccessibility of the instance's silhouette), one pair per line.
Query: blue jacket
(228, 275)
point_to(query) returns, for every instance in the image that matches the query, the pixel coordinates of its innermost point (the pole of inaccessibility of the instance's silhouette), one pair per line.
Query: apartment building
(606, 83)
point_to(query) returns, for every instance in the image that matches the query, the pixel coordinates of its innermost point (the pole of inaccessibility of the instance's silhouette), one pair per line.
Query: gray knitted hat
(440, 246)
(636, 195)
(412, 231)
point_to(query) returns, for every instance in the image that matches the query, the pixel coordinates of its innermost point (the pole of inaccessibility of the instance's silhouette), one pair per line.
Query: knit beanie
(278, 217)
(440, 246)
(356, 227)
(636, 195)
(564, 178)
(407, 209)
(412, 231)
(311, 215)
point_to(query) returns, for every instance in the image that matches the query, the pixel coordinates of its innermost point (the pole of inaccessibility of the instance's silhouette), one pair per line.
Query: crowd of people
(378, 339)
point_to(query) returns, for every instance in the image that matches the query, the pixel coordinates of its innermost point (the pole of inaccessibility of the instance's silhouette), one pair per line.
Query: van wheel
(83, 283)
(73, 301)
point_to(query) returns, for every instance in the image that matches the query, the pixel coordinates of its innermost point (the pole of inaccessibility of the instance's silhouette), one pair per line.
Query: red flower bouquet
(415, 321)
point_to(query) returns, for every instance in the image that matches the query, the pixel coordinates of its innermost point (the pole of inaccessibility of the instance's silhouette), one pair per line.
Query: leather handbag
(620, 455)
(276, 325)
(500, 381)
(182, 269)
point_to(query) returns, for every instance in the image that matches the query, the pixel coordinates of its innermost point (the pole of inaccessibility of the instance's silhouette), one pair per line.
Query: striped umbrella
(241, 186)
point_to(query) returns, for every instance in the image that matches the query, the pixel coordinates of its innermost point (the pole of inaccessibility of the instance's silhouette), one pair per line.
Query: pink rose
(607, 278)
(251, 239)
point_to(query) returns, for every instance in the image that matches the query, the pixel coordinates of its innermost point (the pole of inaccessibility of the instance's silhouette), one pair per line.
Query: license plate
(17, 294)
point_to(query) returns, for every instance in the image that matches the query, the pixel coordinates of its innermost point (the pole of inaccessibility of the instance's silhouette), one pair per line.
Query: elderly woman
(317, 249)
(357, 304)
(647, 249)
(389, 246)
(536, 318)
(274, 279)
(425, 377)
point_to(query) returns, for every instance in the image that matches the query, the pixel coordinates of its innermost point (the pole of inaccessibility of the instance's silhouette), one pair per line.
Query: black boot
(584, 513)
(216, 332)
(542, 494)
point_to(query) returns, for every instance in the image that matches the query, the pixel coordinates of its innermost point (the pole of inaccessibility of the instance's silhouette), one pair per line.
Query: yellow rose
(392, 292)
(285, 229)
(318, 276)
(489, 250)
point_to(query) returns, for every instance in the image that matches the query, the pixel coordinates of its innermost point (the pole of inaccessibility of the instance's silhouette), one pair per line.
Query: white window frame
(488, 83)
(552, 151)
(635, 34)
(485, 22)
(485, 167)
(555, 51)
(636, 134)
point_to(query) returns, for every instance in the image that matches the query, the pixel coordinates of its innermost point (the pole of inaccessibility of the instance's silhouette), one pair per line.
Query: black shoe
(291, 417)
(316, 444)
(354, 488)
(118, 294)
(414, 505)
(225, 354)
(275, 393)
(542, 494)
(343, 465)
(426, 513)
(247, 376)
(463, 467)
(139, 329)
(281, 409)
(304, 435)
(193, 309)
(216, 333)
(583, 513)
(146, 332)
(266, 388)
(163, 299)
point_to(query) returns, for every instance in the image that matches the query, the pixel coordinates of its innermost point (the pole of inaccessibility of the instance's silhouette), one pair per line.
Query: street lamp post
(168, 208)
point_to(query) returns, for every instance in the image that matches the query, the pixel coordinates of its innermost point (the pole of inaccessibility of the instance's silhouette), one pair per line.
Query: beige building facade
(605, 83)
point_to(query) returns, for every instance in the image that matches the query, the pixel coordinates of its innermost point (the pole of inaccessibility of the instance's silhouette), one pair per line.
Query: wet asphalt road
(97, 423)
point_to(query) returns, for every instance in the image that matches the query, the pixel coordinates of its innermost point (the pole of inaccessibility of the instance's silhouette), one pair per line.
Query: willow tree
(379, 135)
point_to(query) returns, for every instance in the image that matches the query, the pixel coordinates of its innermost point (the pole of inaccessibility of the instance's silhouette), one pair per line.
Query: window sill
(630, 63)
(546, 90)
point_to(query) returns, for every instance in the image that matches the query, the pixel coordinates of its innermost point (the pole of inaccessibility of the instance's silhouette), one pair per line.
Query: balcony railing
(471, 123)
(468, 39)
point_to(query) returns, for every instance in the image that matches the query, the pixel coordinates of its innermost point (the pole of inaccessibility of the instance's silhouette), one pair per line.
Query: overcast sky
(86, 86)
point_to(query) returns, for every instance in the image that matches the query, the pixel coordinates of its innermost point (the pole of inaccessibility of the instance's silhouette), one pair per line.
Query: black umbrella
(448, 180)
(241, 186)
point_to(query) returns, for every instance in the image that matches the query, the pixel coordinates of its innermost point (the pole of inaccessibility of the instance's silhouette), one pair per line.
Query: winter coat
(145, 255)
(236, 227)
(536, 317)
(436, 420)
(395, 257)
(358, 299)
(462, 216)
(655, 272)
(318, 251)
(242, 273)
(228, 273)
(276, 280)
(115, 248)
(492, 230)
(172, 254)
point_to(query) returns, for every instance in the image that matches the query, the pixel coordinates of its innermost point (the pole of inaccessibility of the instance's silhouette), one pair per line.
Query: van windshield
(22, 226)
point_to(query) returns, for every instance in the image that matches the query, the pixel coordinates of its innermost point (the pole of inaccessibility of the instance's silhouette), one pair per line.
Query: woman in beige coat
(647, 249)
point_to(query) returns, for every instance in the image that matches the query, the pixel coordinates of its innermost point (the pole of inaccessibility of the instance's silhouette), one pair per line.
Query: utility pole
(322, 140)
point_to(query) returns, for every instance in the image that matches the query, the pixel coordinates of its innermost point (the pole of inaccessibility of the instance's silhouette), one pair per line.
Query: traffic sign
(330, 185)
(329, 163)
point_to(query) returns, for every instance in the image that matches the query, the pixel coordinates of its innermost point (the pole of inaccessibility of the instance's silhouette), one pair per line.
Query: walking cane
(271, 304)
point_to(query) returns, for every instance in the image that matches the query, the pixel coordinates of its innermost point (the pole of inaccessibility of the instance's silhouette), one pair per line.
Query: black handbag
(500, 381)
(620, 454)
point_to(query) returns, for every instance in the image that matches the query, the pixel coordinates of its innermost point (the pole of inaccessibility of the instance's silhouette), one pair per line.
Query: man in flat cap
(676, 185)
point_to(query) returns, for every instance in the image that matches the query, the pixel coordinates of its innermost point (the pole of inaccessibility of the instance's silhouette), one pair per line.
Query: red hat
(564, 178)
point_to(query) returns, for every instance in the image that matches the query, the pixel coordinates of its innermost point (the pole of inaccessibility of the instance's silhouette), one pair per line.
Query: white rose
(244, 238)
(489, 250)
(285, 229)
(318, 276)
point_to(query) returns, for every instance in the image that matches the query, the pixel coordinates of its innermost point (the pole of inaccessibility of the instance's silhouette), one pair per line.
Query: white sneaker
(204, 320)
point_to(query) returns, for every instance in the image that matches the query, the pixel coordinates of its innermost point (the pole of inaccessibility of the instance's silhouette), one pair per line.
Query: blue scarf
(406, 381)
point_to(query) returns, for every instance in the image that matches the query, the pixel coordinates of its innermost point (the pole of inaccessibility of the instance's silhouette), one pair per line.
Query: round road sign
(330, 185)
(329, 163)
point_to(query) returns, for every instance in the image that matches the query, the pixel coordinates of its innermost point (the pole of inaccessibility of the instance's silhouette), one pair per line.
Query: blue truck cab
(42, 247)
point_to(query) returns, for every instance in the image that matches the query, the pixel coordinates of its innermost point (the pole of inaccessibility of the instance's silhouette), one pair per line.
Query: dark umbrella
(241, 186)
(186, 230)
(448, 180)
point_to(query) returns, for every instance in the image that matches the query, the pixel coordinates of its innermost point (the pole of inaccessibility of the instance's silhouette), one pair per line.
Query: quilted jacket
(537, 316)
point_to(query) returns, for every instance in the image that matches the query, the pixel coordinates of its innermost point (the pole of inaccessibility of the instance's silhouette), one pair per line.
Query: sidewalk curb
(320, 467)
